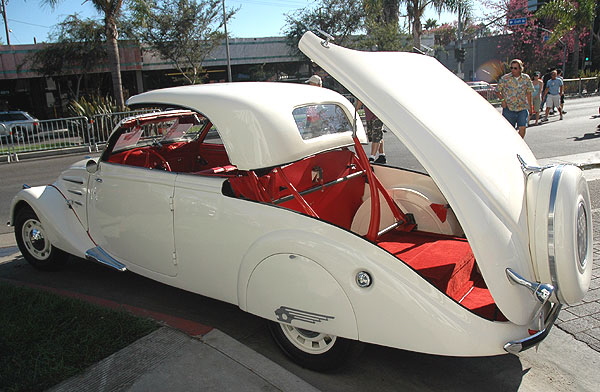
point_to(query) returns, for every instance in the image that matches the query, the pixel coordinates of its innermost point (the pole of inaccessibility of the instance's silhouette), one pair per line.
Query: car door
(131, 216)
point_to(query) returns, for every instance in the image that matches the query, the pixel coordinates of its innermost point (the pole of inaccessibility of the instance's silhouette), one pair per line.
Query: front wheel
(34, 243)
(314, 350)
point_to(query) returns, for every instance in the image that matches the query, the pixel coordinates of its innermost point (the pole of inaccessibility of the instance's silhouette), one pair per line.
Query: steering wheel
(148, 152)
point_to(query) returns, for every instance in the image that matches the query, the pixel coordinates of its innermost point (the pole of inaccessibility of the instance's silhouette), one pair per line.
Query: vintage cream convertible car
(261, 195)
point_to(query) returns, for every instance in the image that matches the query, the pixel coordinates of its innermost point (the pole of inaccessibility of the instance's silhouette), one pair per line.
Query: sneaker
(381, 159)
(371, 159)
(564, 112)
(560, 117)
(544, 119)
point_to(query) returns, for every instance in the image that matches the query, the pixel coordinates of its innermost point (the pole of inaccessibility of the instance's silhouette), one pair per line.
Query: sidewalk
(170, 360)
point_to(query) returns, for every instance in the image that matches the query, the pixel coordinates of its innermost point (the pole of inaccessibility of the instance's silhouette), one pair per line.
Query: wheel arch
(63, 228)
(284, 277)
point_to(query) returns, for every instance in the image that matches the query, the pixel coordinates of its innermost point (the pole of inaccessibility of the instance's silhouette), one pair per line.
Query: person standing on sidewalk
(374, 135)
(554, 90)
(515, 92)
(537, 97)
(562, 97)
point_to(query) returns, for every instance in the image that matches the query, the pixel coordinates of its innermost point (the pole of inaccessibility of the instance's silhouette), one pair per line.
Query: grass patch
(46, 338)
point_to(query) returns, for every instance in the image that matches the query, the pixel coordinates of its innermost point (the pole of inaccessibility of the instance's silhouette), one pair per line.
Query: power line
(27, 23)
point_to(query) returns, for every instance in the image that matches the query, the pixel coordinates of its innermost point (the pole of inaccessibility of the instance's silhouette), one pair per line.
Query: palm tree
(111, 10)
(430, 24)
(416, 8)
(569, 15)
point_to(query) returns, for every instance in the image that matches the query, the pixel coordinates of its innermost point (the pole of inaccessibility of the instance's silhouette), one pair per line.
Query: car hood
(462, 141)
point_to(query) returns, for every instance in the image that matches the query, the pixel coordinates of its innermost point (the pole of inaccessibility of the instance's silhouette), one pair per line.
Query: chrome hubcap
(308, 341)
(582, 238)
(34, 239)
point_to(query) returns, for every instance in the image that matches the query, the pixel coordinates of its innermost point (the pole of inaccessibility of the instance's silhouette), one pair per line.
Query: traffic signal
(459, 54)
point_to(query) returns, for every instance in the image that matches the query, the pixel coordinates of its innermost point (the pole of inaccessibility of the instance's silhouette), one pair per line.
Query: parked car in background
(484, 89)
(261, 195)
(17, 126)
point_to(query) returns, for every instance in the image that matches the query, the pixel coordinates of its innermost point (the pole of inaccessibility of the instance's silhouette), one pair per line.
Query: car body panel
(250, 129)
(128, 206)
(472, 159)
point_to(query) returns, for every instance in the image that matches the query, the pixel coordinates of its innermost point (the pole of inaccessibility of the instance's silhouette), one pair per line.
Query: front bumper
(516, 346)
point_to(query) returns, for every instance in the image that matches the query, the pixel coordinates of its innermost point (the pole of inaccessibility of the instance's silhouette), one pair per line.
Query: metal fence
(581, 87)
(59, 134)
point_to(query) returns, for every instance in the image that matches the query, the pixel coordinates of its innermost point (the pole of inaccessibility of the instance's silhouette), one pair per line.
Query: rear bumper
(516, 346)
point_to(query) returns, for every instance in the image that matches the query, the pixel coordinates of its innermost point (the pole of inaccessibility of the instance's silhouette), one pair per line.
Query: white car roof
(254, 119)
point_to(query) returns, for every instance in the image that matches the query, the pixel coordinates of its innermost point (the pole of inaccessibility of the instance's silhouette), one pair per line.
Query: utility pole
(226, 44)
(459, 39)
(5, 22)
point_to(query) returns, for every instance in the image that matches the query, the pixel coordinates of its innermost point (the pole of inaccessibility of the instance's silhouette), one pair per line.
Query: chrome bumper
(516, 346)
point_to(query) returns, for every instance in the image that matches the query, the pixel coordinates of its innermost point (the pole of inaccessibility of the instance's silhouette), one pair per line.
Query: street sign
(517, 21)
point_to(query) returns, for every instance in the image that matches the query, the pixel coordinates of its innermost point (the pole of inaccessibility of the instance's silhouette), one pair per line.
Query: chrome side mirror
(91, 166)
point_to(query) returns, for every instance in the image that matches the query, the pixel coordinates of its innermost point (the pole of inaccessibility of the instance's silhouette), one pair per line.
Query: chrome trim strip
(98, 255)
(73, 180)
(551, 211)
(516, 346)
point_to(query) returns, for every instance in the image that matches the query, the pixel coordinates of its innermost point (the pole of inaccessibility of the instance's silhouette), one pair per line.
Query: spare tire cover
(561, 228)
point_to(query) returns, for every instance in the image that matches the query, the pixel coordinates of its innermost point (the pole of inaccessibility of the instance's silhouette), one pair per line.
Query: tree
(339, 18)
(416, 8)
(526, 41)
(430, 24)
(111, 10)
(79, 49)
(181, 31)
(569, 15)
(381, 23)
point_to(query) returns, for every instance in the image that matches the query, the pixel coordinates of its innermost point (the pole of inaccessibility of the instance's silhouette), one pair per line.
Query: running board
(98, 255)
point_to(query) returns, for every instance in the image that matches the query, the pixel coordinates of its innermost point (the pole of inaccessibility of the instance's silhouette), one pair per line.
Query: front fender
(62, 225)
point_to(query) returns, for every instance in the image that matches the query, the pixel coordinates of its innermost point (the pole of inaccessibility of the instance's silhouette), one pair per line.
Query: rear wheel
(314, 350)
(34, 243)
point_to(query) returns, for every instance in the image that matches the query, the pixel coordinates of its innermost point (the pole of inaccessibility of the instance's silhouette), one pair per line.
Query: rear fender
(291, 287)
(62, 225)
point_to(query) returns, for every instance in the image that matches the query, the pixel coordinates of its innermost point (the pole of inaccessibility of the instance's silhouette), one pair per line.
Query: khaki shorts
(552, 101)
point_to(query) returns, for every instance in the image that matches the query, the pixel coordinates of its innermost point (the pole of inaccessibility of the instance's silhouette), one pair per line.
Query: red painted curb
(189, 327)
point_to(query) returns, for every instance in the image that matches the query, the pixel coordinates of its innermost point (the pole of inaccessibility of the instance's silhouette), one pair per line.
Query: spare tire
(560, 225)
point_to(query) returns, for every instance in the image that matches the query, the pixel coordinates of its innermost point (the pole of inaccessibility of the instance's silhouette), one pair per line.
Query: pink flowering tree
(528, 42)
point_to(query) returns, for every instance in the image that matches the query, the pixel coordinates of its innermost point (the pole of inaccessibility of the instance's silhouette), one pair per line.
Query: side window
(322, 119)
(213, 137)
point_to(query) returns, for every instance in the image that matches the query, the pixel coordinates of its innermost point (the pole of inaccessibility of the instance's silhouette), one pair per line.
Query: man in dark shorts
(375, 136)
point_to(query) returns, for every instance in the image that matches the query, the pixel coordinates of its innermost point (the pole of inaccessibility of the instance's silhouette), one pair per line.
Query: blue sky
(256, 18)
